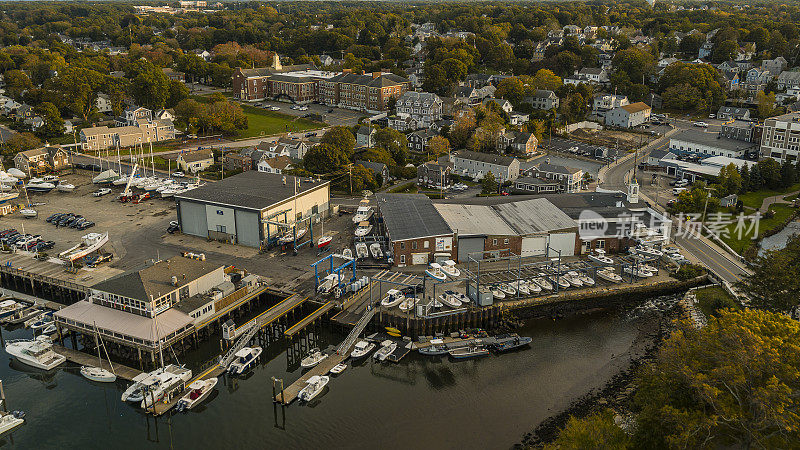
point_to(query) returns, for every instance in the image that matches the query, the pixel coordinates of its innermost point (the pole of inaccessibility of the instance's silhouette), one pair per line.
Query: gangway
(362, 323)
(252, 328)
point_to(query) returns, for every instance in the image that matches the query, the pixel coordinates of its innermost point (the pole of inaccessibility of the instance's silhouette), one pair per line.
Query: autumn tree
(325, 158)
(733, 383)
(20, 142)
(53, 123)
(438, 146)
(340, 138)
(775, 282)
(597, 431)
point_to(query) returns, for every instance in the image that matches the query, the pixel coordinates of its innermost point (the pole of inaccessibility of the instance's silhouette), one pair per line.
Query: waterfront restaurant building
(236, 209)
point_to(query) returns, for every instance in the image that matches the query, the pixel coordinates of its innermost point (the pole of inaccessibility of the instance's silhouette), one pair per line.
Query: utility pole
(350, 171)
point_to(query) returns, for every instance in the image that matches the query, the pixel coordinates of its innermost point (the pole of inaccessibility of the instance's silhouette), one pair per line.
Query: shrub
(689, 271)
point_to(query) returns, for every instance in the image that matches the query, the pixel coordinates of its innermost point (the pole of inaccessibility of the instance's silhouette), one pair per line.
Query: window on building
(426, 244)
(600, 244)
(494, 241)
(402, 259)
(414, 245)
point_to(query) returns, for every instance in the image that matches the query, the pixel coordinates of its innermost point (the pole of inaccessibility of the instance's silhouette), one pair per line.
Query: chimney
(376, 75)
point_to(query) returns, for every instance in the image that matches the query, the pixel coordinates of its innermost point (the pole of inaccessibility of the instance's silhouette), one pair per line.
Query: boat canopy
(243, 353)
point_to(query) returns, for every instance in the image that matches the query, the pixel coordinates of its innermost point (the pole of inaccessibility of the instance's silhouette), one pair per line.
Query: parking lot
(597, 152)
(330, 115)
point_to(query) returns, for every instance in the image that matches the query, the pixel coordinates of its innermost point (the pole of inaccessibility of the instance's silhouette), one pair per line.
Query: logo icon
(591, 225)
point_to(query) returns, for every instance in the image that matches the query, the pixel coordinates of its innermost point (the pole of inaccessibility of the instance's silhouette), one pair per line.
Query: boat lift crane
(286, 227)
(349, 262)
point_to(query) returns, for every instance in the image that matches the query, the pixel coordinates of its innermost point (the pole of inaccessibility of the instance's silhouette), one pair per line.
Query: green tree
(438, 146)
(724, 51)
(732, 383)
(766, 104)
(745, 176)
(394, 142)
(363, 179)
(53, 123)
(149, 87)
(775, 282)
(770, 172)
(598, 431)
(177, 92)
(325, 158)
(20, 142)
(545, 79)
(341, 138)
(489, 183)
(730, 181)
(17, 81)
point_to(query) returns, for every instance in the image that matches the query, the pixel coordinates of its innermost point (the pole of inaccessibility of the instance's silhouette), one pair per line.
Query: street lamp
(708, 195)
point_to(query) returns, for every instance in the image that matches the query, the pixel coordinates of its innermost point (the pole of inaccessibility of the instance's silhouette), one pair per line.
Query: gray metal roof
(156, 280)
(251, 190)
(474, 220)
(411, 216)
(534, 216)
(712, 140)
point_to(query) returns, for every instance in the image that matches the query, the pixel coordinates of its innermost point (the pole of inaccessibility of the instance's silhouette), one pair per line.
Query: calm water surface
(418, 403)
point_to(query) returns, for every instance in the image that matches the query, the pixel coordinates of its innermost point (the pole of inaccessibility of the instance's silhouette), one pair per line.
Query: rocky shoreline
(616, 394)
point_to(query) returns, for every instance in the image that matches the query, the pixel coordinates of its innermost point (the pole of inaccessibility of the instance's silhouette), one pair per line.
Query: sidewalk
(769, 201)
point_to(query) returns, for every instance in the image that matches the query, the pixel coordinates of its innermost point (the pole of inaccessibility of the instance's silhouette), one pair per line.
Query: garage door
(469, 245)
(534, 246)
(193, 219)
(419, 258)
(565, 242)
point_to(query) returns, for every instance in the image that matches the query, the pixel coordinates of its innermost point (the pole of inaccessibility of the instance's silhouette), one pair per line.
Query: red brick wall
(406, 249)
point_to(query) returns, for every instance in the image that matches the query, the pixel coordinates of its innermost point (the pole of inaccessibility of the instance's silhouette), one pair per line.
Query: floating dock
(289, 394)
(85, 359)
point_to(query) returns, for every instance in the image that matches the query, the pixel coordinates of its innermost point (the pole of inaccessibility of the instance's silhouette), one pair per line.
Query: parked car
(178, 174)
(303, 108)
(101, 192)
(77, 222)
(274, 108)
(85, 225)
(45, 245)
(678, 190)
(701, 124)
(683, 182)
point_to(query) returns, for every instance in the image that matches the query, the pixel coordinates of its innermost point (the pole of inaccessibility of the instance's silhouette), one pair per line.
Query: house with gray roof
(476, 165)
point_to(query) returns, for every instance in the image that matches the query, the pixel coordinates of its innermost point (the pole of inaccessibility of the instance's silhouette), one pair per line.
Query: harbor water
(421, 402)
(778, 240)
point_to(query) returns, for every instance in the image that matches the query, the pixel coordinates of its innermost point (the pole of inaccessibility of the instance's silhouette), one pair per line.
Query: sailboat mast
(152, 160)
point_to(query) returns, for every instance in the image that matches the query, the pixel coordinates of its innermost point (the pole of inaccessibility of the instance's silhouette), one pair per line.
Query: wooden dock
(289, 394)
(162, 407)
(85, 359)
(305, 321)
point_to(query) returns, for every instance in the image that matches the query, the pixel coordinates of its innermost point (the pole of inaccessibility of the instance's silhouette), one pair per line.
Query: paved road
(719, 263)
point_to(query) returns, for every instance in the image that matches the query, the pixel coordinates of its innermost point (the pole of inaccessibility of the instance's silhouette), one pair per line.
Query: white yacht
(11, 420)
(363, 229)
(393, 298)
(198, 391)
(408, 303)
(375, 250)
(9, 307)
(134, 392)
(157, 386)
(245, 358)
(65, 187)
(362, 213)
(98, 374)
(315, 357)
(38, 352)
(599, 256)
(387, 347)
(361, 250)
(435, 271)
(608, 274)
(362, 349)
(314, 386)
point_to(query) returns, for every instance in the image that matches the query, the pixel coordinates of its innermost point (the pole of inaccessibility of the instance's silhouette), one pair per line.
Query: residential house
(742, 131)
(42, 159)
(594, 74)
(416, 110)
(378, 169)
(365, 136)
(516, 118)
(774, 66)
(418, 140)
(434, 173)
(532, 185)
(602, 103)
(733, 113)
(165, 114)
(205, 54)
(629, 116)
(518, 142)
(103, 103)
(543, 99)
(472, 96)
(274, 165)
(505, 105)
(570, 178)
(132, 115)
(779, 140)
(705, 50)
(326, 60)
(24, 112)
(196, 161)
(788, 79)
(174, 75)
(476, 165)
(237, 161)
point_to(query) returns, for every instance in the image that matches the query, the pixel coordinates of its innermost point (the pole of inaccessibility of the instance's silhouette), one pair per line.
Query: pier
(309, 319)
(85, 359)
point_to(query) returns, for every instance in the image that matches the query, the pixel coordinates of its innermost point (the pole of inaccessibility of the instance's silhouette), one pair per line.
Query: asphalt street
(719, 263)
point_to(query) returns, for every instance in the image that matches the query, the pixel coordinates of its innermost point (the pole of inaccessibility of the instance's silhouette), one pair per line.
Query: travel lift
(285, 227)
(348, 262)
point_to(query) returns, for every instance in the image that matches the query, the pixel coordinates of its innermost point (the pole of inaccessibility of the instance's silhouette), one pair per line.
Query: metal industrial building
(416, 232)
(237, 208)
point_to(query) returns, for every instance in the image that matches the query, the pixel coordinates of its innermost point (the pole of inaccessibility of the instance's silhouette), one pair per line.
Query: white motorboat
(39, 185)
(314, 386)
(387, 347)
(28, 213)
(134, 392)
(449, 267)
(648, 251)
(361, 349)
(497, 293)
(123, 180)
(43, 321)
(50, 329)
(89, 243)
(9, 307)
(11, 420)
(562, 282)
(599, 256)
(98, 374)
(328, 283)
(363, 229)
(542, 283)
(408, 303)
(37, 353)
(640, 272)
(522, 287)
(16, 173)
(393, 298)
(361, 250)
(437, 303)
(314, 357)
(156, 387)
(65, 187)
(586, 279)
(339, 368)
(435, 271)
(169, 192)
(375, 250)
(608, 274)
(347, 253)
(362, 213)
(245, 359)
(7, 179)
(449, 299)
(199, 390)
(572, 278)
(507, 289)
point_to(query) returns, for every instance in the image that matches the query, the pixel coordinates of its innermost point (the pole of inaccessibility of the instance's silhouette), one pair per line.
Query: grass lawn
(262, 122)
(782, 213)
(409, 188)
(755, 199)
(713, 298)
